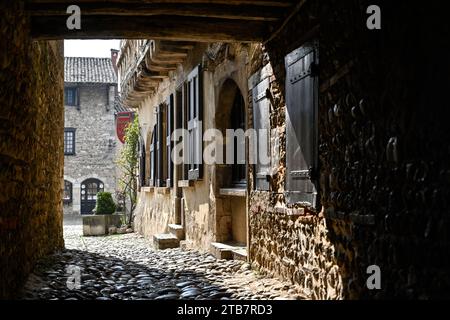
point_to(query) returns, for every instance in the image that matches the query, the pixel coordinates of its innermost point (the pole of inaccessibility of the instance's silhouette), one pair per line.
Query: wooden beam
(223, 11)
(158, 27)
(271, 3)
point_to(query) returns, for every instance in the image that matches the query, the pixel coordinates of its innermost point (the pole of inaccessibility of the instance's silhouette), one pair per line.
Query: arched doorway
(89, 190)
(231, 179)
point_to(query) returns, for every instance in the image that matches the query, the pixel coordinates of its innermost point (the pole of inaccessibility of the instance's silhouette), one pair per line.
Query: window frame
(192, 121)
(73, 149)
(153, 157)
(75, 94)
(236, 116)
(169, 116)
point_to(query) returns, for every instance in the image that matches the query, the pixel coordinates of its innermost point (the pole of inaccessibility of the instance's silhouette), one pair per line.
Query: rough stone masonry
(31, 148)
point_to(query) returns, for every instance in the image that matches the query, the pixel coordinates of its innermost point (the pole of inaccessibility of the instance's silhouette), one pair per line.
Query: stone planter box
(98, 225)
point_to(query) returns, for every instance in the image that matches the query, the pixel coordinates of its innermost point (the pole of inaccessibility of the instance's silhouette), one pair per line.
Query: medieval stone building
(239, 210)
(90, 89)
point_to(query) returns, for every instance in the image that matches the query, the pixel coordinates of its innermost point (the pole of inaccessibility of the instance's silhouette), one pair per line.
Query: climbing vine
(128, 163)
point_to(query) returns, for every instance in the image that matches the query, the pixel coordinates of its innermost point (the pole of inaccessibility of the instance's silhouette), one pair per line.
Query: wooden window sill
(185, 183)
(233, 192)
(290, 211)
(162, 190)
(147, 189)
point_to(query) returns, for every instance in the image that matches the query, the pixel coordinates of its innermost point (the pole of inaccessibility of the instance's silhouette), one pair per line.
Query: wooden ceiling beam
(158, 27)
(270, 3)
(223, 11)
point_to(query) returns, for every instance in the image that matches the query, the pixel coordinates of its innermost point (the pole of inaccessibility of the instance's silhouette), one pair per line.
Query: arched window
(67, 195)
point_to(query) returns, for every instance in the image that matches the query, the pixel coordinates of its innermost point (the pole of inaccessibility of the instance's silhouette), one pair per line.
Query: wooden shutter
(169, 143)
(159, 147)
(301, 125)
(153, 158)
(259, 84)
(194, 126)
(142, 164)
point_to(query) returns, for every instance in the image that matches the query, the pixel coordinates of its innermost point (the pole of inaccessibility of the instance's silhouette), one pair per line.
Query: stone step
(177, 230)
(165, 241)
(221, 251)
(229, 251)
(240, 254)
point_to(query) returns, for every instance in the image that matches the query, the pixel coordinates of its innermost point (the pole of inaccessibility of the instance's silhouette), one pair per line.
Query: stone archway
(231, 195)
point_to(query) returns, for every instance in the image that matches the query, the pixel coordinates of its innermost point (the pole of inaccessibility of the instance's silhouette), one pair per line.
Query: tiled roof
(119, 106)
(90, 70)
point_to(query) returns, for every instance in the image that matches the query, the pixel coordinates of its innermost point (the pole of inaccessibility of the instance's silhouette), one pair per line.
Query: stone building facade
(90, 86)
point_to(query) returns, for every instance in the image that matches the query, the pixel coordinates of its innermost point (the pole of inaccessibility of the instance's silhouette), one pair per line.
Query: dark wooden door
(89, 190)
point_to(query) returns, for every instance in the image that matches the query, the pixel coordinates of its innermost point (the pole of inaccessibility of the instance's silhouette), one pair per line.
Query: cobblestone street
(127, 267)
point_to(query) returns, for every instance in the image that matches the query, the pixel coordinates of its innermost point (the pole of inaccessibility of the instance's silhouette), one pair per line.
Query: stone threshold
(229, 250)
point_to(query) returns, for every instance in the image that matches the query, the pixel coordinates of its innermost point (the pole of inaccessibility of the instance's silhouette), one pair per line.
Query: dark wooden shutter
(159, 147)
(142, 164)
(301, 125)
(153, 158)
(259, 84)
(194, 125)
(169, 143)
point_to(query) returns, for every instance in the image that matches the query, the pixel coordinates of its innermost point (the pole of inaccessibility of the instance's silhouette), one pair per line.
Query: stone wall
(383, 147)
(383, 158)
(31, 148)
(95, 142)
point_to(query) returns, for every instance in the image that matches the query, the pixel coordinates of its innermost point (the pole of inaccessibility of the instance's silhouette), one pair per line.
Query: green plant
(105, 203)
(128, 163)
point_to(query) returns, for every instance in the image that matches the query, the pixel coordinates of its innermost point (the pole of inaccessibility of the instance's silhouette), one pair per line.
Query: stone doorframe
(76, 189)
(225, 89)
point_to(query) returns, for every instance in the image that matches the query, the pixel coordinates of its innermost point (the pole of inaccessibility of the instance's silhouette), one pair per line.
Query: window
(160, 146)
(71, 96)
(238, 169)
(69, 141)
(67, 195)
(192, 118)
(169, 143)
(160, 172)
(259, 84)
(152, 172)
